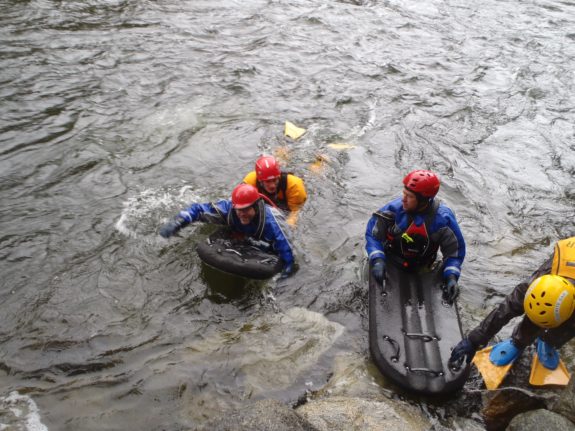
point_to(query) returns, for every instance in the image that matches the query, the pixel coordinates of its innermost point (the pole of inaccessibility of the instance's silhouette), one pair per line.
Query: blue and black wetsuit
(413, 239)
(266, 225)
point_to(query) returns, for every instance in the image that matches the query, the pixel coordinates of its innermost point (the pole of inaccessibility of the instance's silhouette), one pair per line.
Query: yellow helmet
(549, 301)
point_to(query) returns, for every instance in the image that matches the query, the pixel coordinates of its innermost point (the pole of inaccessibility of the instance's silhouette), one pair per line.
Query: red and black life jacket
(413, 248)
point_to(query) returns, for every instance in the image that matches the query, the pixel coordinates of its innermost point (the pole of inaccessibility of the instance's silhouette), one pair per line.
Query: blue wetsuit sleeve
(198, 212)
(373, 246)
(452, 244)
(280, 243)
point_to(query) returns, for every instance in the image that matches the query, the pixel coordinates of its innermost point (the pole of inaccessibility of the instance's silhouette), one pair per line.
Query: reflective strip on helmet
(557, 310)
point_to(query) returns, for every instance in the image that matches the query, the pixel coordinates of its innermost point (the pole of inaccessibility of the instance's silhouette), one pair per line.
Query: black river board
(238, 257)
(412, 332)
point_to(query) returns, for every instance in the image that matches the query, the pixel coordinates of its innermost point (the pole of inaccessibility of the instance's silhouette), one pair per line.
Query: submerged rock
(353, 399)
(347, 414)
(265, 415)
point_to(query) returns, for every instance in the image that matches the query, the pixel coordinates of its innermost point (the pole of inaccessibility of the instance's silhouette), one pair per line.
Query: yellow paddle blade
(541, 376)
(340, 146)
(292, 131)
(492, 374)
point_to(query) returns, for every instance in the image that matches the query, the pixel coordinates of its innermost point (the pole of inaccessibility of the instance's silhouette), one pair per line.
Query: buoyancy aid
(232, 220)
(412, 248)
(564, 258)
(280, 197)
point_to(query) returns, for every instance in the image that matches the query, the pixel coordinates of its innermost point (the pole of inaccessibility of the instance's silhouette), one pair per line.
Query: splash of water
(20, 412)
(143, 213)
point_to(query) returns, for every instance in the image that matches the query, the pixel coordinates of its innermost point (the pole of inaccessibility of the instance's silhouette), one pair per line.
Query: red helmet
(244, 195)
(424, 183)
(267, 168)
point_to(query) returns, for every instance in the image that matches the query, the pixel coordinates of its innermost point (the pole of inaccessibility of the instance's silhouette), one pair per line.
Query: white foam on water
(145, 212)
(20, 412)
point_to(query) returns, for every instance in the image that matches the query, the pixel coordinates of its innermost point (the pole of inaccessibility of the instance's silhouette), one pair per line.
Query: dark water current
(115, 113)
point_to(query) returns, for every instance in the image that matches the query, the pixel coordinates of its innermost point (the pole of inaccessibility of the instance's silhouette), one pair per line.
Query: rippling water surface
(114, 114)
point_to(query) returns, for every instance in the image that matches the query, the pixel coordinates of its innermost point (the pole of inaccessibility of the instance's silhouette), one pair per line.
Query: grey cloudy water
(114, 114)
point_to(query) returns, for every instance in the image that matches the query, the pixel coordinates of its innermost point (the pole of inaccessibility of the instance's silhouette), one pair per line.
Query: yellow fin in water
(541, 376)
(292, 131)
(340, 146)
(282, 153)
(318, 165)
(492, 374)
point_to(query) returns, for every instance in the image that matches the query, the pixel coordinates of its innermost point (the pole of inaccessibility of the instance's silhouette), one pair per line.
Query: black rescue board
(412, 332)
(238, 257)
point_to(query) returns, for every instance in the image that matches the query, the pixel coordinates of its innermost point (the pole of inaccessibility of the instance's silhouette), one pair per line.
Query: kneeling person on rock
(547, 300)
(246, 214)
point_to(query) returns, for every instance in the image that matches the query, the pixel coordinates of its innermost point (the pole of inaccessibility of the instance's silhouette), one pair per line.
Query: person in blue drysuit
(246, 214)
(409, 231)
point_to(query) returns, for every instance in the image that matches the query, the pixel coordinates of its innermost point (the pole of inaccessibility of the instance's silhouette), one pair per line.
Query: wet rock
(353, 376)
(466, 424)
(354, 399)
(515, 396)
(265, 415)
(565, 404)
(351, 414)
(501, 406)
(538, 420)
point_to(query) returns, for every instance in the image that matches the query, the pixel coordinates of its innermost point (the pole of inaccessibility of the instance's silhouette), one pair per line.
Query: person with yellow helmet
(547, 301)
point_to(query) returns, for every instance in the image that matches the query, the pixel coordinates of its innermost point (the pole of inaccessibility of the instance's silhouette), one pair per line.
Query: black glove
(450, 289)
(378, 270)
(463, 348)
(172, 227)
(287, 271)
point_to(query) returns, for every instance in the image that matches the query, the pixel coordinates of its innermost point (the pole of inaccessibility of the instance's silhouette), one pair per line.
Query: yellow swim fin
(492, 374)
(319, 163)
(339, 146)
(292, 131)
(541, 376)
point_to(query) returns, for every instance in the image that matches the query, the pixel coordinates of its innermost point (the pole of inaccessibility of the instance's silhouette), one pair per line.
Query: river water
(116, 113)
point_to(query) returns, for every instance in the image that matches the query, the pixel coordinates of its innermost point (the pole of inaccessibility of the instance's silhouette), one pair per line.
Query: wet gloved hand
(378, 270)
(287, 271)
(450, 289)
(464, 348)
(173, 227)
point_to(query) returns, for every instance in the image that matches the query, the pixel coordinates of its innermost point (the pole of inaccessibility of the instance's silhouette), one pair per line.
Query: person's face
(271, 186)
(246, 215)
(409, 201)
